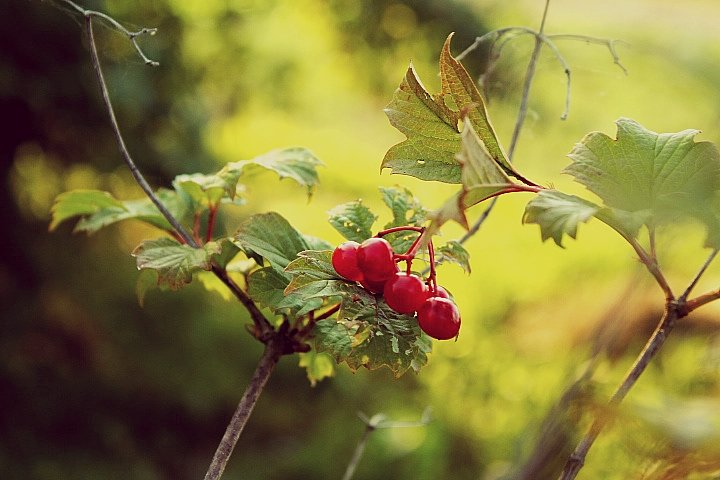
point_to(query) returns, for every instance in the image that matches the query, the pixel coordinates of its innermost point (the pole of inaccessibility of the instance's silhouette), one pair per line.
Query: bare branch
(700, 273)
(263, 371)
(132, 35)
(609, 42)
(673, 312)
(373, 423)
(139, 178)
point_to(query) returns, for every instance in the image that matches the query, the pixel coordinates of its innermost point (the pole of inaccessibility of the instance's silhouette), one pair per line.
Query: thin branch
(608, 42)
(673, 312)
(651, 266)
(139, 178)
(261, 324)
(373, 423)
(263, 371)
(529, 76)
(132, 35)
(502, 36)
(700, 273)
(263, 327)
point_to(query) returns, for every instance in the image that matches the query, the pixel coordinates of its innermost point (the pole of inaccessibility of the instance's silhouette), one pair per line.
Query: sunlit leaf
(431, 124)
(298, 164)
(666, 175)
(453, 252)
(272, 237)
(99, 209)
(558, 214)
(353, 220)
(319, 365)
(175, 263)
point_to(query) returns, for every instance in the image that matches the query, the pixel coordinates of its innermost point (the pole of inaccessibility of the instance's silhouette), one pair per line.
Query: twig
(373, 423)
(132, 35)
(497, 37)
(700, 273)
(609, 42)
(263, 371)
(139, 178)
(262, 326)
(673, 312)
(261, 323)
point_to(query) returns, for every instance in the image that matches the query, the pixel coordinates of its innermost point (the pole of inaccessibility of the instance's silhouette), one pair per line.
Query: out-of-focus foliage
(93, 386)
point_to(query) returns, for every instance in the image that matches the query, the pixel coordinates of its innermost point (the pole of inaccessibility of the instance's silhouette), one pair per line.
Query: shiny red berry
(441, 292)
(375, 259)
(344, 261)
(439, 318)
(374, 287)
(405, 293)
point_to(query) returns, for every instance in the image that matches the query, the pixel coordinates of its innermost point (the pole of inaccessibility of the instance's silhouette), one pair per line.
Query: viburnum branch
(373, 423)
(700, 273)
(651, 265)
(608, 42)
(262, 326)
(139, 178)
(263, 371)
(328, 313)
(674, 311)
(132, 35)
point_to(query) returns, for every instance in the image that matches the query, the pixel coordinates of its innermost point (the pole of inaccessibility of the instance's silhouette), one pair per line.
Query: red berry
(344, 260)
(441, 292)
(439, 318)
(405, 293)
(375, 259)
(374, 287)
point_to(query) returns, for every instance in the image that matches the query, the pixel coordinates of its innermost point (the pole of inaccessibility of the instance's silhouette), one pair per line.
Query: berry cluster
(374, 264)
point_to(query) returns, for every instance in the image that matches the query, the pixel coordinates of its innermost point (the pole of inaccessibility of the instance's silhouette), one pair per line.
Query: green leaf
(453, 252)
(334, 337)
(430, 124)
(431, 128)
(462, 89)
(267, 286)
(365, 332)
(558, 214)
(315, 243)
(405, 207)
(667, 175)
(316, 264)
(353, 220)
(81, 203)
(99, 209)
(272, 237)
(298, 164)
(482, 178)
(174, 263)
(207, 190)
(319, 365)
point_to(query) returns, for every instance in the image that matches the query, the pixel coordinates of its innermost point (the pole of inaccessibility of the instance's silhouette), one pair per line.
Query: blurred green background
(94, 386)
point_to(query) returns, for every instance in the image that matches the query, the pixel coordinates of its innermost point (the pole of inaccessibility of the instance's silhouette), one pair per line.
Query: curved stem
(673, 312)
(139, 178)
(270, 357)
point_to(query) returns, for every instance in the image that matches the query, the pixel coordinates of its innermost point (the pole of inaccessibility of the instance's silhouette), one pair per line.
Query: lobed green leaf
(657, 176)
(175, 263)
(352, 220)
(271, 237)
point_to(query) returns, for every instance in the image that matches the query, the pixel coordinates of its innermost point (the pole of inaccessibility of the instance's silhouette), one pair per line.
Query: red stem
(211, 223)
(433, 275)
(196, 228)
(400, 229)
